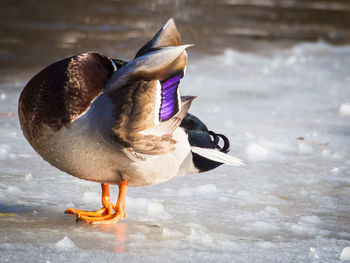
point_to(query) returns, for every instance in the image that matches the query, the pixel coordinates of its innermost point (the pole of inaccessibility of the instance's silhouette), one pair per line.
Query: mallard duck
(113, 122)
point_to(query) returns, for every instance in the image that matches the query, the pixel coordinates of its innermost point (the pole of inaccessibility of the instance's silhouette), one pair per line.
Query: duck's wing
(148, 107)
(167, 36)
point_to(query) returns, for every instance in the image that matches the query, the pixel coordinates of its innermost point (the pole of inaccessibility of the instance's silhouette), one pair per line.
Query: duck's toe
(107, 219)
(100, 212)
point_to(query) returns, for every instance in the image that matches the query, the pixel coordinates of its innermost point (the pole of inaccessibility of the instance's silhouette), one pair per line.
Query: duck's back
(61, 92)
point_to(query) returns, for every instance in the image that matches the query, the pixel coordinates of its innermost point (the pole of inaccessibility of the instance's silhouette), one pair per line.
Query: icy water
(285, 107)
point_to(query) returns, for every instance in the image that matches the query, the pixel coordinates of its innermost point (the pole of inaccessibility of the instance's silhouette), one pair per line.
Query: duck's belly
(84, 153)
(160, 168)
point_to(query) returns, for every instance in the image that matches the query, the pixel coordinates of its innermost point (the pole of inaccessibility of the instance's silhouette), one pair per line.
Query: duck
(120, 123)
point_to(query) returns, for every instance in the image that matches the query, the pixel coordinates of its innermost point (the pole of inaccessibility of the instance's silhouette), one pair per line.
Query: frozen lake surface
(287, 115)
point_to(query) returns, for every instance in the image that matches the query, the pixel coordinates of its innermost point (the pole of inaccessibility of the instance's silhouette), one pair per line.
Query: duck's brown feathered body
(80, 130)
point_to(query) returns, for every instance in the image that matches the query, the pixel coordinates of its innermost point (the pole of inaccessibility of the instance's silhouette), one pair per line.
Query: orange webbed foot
(107, 208)
(104, 215)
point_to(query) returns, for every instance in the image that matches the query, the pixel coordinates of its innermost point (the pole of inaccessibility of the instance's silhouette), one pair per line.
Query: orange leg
(119, 214)
(105, 210)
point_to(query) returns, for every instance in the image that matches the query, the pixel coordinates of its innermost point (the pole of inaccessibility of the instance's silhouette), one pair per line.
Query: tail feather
(217, 156)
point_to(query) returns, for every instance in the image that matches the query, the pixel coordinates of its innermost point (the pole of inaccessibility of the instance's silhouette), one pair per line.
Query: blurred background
(37, 33)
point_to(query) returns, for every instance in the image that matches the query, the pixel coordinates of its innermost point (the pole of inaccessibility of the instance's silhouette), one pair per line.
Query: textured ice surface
(289, 204)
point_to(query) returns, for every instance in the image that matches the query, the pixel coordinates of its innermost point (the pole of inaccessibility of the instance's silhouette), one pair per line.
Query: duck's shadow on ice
(54, 218)
(13, 209)
(34, 215)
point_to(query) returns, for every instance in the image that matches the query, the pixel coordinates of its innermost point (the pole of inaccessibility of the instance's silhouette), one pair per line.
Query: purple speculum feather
(170, 104)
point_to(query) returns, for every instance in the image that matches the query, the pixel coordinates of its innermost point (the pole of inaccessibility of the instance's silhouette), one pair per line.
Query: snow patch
(273, 210)
(314, 252)
(264, 227)
(14, 190)
(4, 151)
(199, 234)
(156, 210)
(28, 177)
(344, 109)
(304, 228)
(305, 148)
(345, 254)
(291, 60)
(311, 219)
(65, 244)
(257, 152)
(137, 204)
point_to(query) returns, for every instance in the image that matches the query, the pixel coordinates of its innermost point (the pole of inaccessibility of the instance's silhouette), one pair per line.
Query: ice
(273, 210)
(205, 189)
(65, 244)
(6, 246)
(289, 204)
(264, 227)
(314, 252)
(168, 233)
(91, 197)
(311, 219)
(304, 148)
(4, 151)
(345, 254)
(344, 109)
(335, 170)
(184, 192)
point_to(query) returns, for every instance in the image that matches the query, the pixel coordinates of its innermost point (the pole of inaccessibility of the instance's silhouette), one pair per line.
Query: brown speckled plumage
(62, 91)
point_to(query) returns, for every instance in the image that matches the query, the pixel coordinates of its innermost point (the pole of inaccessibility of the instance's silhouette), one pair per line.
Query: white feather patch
(114, 66)
(158, 105)
(217, 156)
